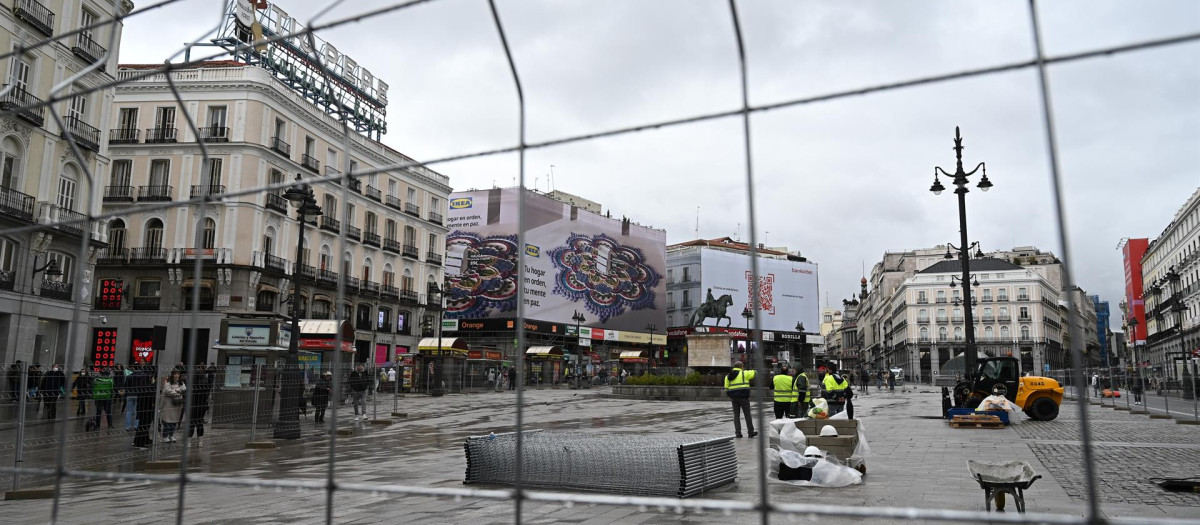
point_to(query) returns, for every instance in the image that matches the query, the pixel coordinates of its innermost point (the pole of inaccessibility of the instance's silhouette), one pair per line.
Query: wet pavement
(917, 461)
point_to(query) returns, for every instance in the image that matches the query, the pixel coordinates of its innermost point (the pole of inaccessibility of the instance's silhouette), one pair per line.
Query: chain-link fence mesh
(155, 413)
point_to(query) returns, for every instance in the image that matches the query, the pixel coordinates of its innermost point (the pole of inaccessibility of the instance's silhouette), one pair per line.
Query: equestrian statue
(712, 308)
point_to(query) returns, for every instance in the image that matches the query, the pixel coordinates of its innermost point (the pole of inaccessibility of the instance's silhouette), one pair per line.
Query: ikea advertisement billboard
(787, 290)
(610, 270)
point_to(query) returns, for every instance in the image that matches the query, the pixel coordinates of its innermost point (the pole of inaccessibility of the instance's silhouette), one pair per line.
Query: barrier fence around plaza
(243, 403)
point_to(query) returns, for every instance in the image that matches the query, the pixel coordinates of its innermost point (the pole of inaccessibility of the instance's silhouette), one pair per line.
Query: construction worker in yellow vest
(785, 393)
(737, 387)
(803, 396)
(837, 391)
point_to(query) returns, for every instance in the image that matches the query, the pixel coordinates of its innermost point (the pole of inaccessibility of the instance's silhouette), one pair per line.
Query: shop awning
(544, 352)
(634, 354)
(253, 349)
(319, 327)
(448, 347)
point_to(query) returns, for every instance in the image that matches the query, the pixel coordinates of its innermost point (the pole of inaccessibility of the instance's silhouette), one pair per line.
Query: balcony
(306, 272)
(370, 239)
(1022, 297)
(412, 209)
(957, 319)
(7, 280)
(355, 184)
(1024, 318)
(71, 222)
(327, 277)
(986, 299)
(88, 49)
(411, 251)
(1002, 298)
(311, 163)
(941, 300)
(409, 296)
(1004, 318)
(941, 319)
(433, 258)
(275, 264)
(353, 284)
(370, 288)
(331, 224)
(160, 135)
(373, 193)
(385, 328)
(922, 300)
(687, 303)
(277, 203)
(205, 190)
(16, 204)
(922, 320)
(393, 202)
(19, 100)
(435, 218)
(281, 147)
(124, 136)
(671, 306)
(35, 14)
(214, 134)
(989, 318)
(354, 232)
(147, 303)
(154, 193)
(205, 305)
(389, 291)
(391, 245)
(115, 256)
(87, 137)
(56, 290)
(148, 255)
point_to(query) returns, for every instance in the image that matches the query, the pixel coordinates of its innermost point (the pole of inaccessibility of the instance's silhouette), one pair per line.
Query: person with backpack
(82, 385)
(102, 393)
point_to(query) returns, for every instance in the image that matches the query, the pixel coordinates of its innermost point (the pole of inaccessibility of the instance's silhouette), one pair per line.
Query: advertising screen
(787, 289)
(609, 270)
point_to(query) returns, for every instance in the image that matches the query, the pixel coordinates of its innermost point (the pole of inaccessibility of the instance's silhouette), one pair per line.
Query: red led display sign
(143, 350)
(110, 295)
(104, 347)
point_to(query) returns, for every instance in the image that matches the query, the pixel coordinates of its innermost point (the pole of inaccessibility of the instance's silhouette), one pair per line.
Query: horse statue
(714, 309)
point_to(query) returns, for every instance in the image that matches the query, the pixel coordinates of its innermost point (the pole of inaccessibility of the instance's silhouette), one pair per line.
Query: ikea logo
(461, 203)
(532, 251)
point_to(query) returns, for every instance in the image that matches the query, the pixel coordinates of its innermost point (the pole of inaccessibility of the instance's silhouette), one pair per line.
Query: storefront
(544, 365)
(479, 362)
(326, 338)
(448, 352)
(637, 362)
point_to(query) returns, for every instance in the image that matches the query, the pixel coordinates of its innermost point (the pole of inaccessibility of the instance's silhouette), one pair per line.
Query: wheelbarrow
(1000, 478)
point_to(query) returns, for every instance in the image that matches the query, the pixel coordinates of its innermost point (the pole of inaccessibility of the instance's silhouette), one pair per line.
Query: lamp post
(801, 344)
(288, 427)
(748, 314)
(579, 319)
(651, 327)
(1133, 323)
(960, 182)
(438, 390)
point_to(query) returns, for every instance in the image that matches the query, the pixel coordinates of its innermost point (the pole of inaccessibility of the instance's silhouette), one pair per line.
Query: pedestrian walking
(891, 380)
(52, 386)
(320, 396)
(512, 377)
(866, 380)
(141, 385)
(82, 385)
(391, 377)
(737, 387)
(1136, 388)
(879, 381)
(1096, 384)
(102, 392)
(784, 392)
(172, 404)
(360, 382)
(201, 395)
(33, 380)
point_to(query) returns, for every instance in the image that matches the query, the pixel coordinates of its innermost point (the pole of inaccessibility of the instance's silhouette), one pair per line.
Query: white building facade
(1171, 269)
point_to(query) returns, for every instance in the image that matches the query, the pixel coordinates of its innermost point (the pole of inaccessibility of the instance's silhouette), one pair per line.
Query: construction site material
(976, 421)
(679, 465)
(999, 478)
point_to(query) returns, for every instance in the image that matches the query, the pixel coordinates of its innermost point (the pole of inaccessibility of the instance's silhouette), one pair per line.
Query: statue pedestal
(710, 350)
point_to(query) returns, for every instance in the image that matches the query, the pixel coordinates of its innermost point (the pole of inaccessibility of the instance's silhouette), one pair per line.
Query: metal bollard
(396, 393)
(18, 454)
(254, 409)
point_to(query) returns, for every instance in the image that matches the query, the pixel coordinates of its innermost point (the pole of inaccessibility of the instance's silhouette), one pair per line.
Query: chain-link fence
(157, 412)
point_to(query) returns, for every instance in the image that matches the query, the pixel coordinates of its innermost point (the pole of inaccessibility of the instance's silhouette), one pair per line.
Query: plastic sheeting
(787, 448)
(1002, 403)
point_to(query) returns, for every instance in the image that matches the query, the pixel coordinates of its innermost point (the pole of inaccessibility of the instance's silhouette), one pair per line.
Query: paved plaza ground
(917, 461)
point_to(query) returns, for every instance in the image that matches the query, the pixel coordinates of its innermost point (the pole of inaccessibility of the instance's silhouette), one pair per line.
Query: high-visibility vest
(802, 394)
(784, 393)
(741, 381)
(831, 384)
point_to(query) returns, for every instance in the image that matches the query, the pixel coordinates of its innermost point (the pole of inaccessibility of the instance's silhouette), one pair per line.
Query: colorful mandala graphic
(489, 275)
(609, 278)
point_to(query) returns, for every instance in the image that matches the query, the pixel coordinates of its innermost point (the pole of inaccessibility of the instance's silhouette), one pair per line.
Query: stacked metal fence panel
(678, 465)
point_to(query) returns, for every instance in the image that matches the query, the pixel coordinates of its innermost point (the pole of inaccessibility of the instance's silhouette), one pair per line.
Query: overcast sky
(841, 181)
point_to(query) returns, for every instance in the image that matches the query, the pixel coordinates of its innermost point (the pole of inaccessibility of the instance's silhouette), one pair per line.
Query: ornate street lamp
(579, 319)
(438, 390)
(960, 181)
(288, 427)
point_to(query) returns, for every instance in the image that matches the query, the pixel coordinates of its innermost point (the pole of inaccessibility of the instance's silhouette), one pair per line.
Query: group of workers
(790, 388)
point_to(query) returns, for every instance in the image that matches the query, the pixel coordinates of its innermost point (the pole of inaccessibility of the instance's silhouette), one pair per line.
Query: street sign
(1046, 367)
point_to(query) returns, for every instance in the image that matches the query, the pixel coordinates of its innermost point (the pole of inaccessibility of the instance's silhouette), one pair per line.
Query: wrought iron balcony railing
(87, 49)
(124, 136)
(281, 147)
(411, 251)
(214, 134)
(20, 101)
(160, 135)
(391, 245)
(154, 193)
(310, 162)
(35, 14)
(16, 204)
(86, 136)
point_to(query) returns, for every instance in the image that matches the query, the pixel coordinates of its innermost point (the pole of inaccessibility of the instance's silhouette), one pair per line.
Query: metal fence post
(20, 450)
(257, 373)
(1128, 388)
(396, 391)
(155, 433)
(1195, 402)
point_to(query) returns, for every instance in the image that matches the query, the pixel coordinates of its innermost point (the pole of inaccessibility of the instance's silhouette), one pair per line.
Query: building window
(1004, 333)
(310, 146)
(370, 222)
(1002, 294)
(208, 237)
(164, 118)
(391, 187)
(389, 278)
(687, 301)
(122, 173)
(1024, 312)
(433, 243)
(66, 190)
(8, 255)
(412, 195)
(987, 294)
(116, 236)
(922, 315)
(320, 309)
(149, 288)
(924, 333)
(268, 242)
(330, 207)
(1024, 333)
(1022, 294)
(212, 176)
(921, 297)
(686, 278)
(77, 109)
(216, 118)
(265, 302)
(389, 230)
(957, 295)
(942, 334)
(988, 333)
(160, 170)
(410, 236)
(10, 164)
(19, 74)
(154, 235)
(941, 296)
(958, 333)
